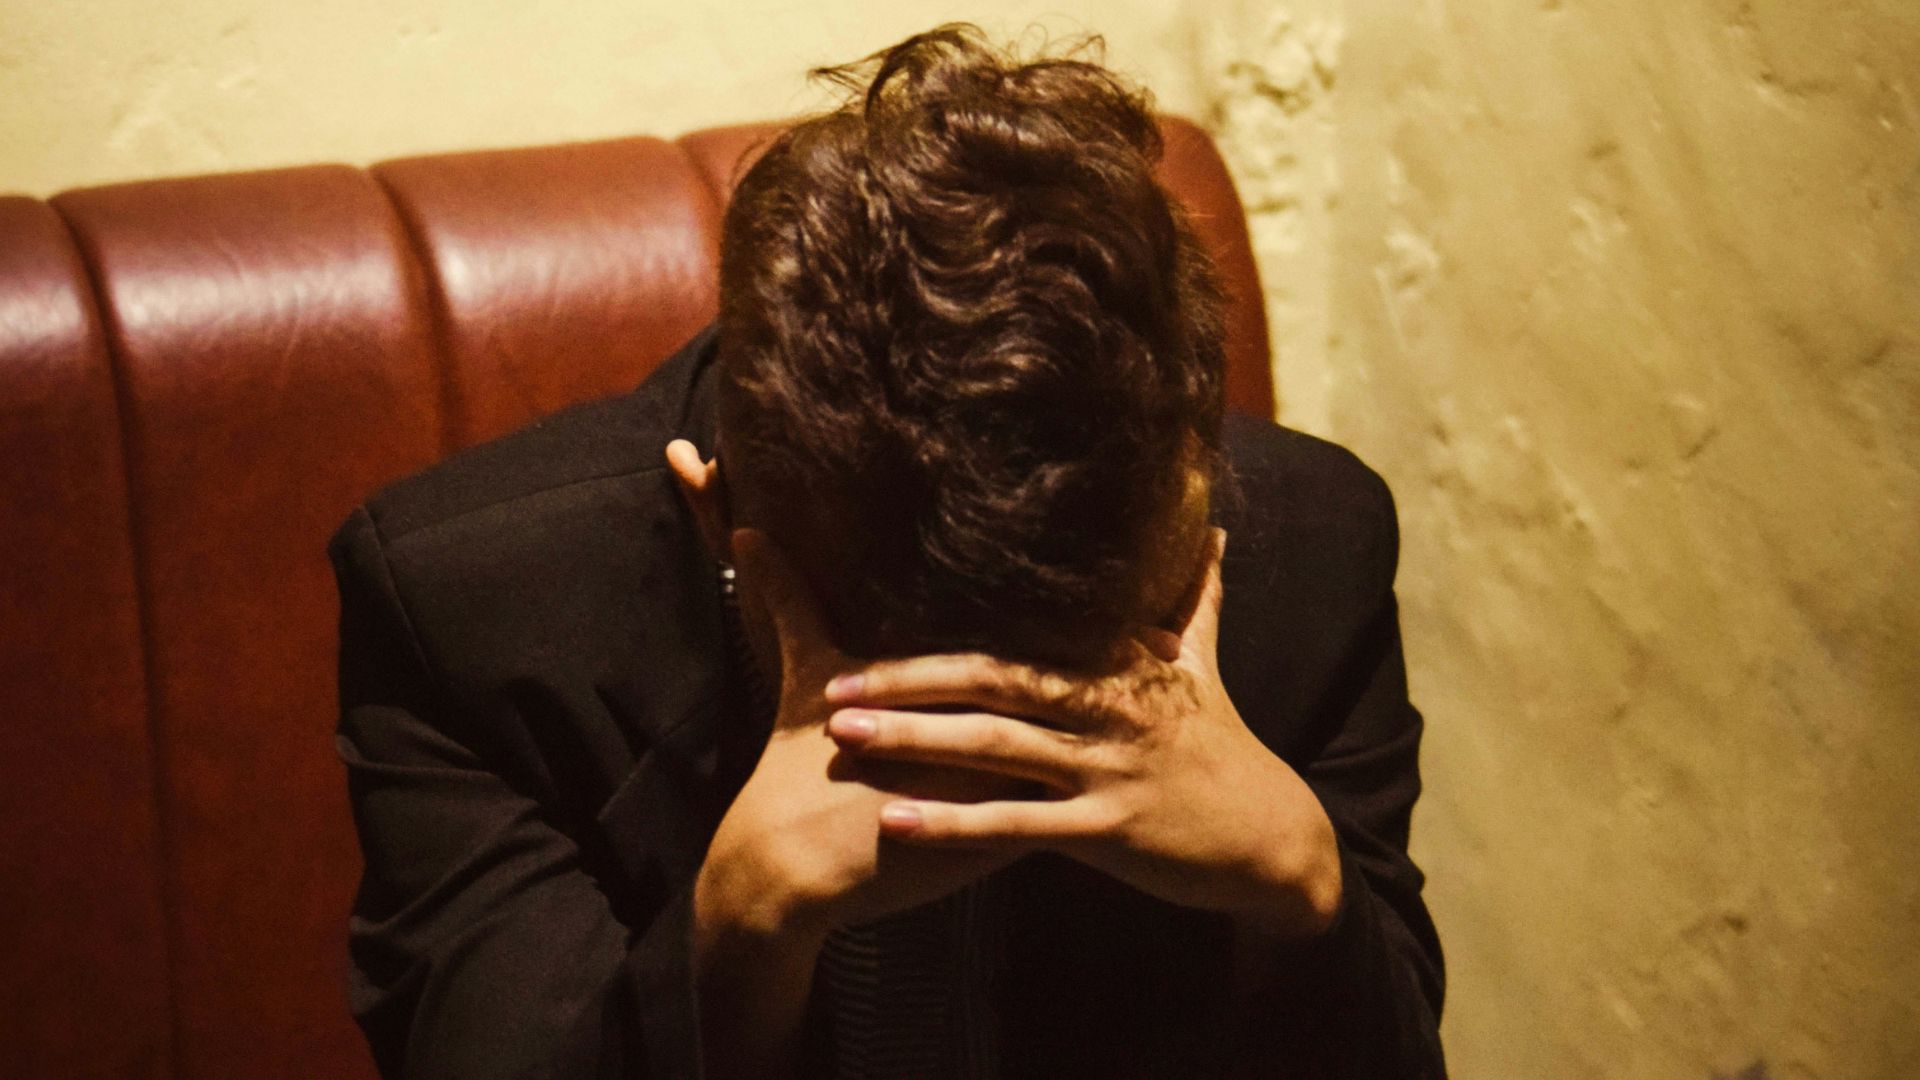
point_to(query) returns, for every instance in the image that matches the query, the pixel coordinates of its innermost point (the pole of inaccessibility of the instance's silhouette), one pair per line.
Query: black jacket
(535, 720)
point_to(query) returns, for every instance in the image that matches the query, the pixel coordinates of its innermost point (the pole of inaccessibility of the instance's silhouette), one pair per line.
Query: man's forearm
(753, 979)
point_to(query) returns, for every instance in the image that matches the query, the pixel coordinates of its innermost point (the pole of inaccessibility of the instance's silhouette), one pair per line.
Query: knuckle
(983, 673)
(1115, 817)
(808, 883)
(995, 740)
(1123, 763)
(1053, 687)
(1082, 713)
(1076, 757)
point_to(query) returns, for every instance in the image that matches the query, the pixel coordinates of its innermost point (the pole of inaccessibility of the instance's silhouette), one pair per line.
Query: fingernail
(901, 815)
(852, 725)
(845, 687)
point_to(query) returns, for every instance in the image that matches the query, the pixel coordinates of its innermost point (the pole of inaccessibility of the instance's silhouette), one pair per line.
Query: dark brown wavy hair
(970, 345)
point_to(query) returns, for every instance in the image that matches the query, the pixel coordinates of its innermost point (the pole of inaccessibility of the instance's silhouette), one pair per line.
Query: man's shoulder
(1312, 546)
(560, 548)
(592, 443)
(1312, 495)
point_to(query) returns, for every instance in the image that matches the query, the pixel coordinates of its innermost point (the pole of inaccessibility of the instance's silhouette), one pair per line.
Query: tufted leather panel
(80, 863)
(274, 367)
(191, 397)
(559, 273)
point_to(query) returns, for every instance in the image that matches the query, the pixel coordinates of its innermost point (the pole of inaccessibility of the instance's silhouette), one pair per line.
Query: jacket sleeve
(481, 945)
(1361, 1001)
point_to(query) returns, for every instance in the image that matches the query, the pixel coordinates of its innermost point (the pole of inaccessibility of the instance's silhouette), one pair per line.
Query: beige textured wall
(1622, 298)
(93, 91)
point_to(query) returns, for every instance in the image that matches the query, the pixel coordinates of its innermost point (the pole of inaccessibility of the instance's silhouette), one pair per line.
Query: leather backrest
(80, 889)
(274, 362)
(556, 274)
(199, 378)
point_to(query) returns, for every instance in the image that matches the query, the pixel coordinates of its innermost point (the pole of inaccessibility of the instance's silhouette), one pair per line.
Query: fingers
(1060, 825)
(1070, 701)
(996, 744)
(771, 582)
(978, 680)
(1200, 638)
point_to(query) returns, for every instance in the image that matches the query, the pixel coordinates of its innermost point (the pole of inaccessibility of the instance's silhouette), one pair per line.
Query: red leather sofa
(198, 379)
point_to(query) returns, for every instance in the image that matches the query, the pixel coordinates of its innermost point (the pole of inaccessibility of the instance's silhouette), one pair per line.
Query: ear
(705, 493)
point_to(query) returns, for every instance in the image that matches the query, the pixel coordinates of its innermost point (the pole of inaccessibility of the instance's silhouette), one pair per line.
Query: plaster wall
(1622, 298)
(94, 91)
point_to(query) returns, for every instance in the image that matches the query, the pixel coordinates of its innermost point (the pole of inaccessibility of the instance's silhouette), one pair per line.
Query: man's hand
(800, 849)
(1155, 779)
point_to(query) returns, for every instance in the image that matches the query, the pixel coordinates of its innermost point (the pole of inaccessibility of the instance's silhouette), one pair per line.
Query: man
(916, 677)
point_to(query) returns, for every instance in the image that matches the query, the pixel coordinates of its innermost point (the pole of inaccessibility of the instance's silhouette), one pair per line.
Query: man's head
(970, 356)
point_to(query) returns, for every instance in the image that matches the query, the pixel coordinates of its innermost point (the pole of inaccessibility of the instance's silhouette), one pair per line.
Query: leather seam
(425, 287)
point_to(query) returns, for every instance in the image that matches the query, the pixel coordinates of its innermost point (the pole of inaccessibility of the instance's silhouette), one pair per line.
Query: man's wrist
(731, 919)
(754, 970)
(1264, 939)
(1300, 912)
(1323, 886)
(1299, 886)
